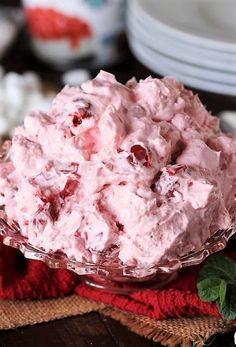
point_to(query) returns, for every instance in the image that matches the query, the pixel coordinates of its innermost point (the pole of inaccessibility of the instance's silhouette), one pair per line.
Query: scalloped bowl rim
(216, 242)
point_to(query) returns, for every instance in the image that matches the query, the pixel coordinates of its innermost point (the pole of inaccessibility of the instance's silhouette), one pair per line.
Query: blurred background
(45, 44)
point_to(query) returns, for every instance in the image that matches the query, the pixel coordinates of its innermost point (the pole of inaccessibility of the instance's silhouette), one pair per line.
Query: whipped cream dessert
(140, 170)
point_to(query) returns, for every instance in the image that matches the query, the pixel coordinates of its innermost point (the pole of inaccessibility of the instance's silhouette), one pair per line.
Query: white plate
(161, 67)
(183, 66)
(207, 23)
(180, 50)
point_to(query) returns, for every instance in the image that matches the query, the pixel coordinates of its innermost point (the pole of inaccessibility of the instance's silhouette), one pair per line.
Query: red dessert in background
(47, 24)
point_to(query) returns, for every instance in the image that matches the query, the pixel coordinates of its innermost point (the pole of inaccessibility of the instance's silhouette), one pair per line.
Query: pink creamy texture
(141, 169)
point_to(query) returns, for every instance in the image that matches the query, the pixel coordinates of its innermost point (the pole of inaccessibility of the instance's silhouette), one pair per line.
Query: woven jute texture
(170, 332)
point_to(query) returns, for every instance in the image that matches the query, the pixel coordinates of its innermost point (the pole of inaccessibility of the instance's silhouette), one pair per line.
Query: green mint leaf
(209, 289)
(218, 266)
(222, 293)
(228, 310)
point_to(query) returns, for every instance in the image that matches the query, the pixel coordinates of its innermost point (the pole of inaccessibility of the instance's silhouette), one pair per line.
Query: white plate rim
(188, 80)
(182, 35)
(195, 55)
(227, 77)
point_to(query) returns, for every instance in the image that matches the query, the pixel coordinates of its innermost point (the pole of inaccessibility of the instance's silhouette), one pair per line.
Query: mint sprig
(217, 283)
(209, 289)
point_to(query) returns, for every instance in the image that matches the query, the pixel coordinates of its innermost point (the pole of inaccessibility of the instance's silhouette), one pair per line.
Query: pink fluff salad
(141, 169)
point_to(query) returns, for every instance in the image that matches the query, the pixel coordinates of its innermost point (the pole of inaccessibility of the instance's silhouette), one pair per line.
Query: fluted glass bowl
(110, 274)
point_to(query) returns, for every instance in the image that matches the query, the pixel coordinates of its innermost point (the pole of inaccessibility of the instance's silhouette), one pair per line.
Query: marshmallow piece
(4, 125)
(76, 77)
(14, 90)
(19, 95)
(31, 81)
(228, 120)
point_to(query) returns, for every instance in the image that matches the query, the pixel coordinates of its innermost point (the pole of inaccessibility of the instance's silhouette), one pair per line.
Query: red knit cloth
(31, 279)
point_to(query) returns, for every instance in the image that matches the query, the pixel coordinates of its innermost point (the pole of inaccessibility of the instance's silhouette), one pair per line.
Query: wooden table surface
(91, 329)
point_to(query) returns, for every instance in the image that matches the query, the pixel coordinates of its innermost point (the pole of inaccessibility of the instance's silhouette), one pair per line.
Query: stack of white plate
(193, 40)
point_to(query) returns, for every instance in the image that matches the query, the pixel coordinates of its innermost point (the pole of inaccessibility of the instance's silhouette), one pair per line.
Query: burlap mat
(170, 332)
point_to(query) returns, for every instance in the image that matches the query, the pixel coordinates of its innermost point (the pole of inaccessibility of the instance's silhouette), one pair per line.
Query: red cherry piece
(141, 155)
(130, 159)
(69, 188)
(153, 187)
(79, 115)
(122, 183)
(120, 226)
(77, 233)
(54, 210)
(76, 120)
(170, 193)
(139, 152)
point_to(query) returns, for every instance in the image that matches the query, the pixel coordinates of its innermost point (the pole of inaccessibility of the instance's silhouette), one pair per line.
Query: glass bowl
(110, 274)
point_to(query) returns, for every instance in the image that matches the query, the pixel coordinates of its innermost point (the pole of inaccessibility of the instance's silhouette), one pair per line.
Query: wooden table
(91, 329)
